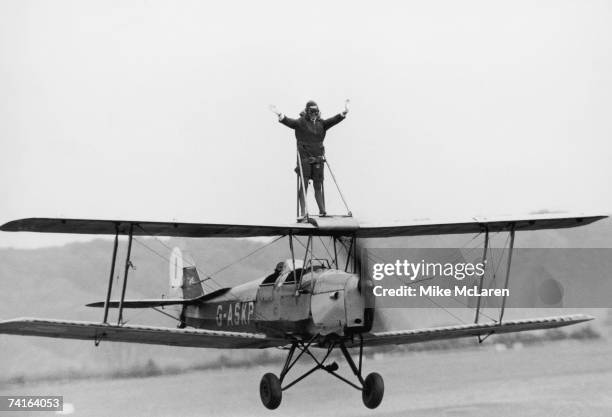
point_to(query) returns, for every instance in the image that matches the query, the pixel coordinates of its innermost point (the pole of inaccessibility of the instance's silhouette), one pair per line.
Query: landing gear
(270, 391)
(372, 388)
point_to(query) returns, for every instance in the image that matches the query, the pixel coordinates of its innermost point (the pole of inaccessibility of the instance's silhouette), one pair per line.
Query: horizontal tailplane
(160, 302)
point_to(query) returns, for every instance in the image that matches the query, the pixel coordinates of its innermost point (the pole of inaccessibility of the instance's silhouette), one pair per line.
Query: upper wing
(322, 226)
(526, 223)
(137, 334)
(146, 228)
(452, 332)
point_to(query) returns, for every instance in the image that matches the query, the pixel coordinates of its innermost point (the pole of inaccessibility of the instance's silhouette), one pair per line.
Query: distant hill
(57, 282)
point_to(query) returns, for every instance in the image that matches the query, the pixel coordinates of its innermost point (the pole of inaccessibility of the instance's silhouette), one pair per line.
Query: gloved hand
(346, 107)
(274, 110)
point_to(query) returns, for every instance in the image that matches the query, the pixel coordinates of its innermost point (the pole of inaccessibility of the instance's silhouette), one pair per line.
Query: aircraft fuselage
(326, 301)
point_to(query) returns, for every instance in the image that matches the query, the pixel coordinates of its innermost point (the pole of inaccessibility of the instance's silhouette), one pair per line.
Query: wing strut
(307, 251)
(506, 281)
(482, 278)
(503, 307)
(128, 263)
(110, 278)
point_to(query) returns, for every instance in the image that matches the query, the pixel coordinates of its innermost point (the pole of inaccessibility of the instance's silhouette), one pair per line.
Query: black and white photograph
(314, 208)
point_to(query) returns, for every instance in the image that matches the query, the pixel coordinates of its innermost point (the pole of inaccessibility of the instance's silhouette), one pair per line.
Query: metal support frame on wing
(308, 250)
(506, 281)
(355, 259)
(483, 277)
(311, 253)
(128, 263)
(110, 277)
(349, 252)
(301, 189)
(292, 251)
(511, 249)
(335, 253)
(348, 210)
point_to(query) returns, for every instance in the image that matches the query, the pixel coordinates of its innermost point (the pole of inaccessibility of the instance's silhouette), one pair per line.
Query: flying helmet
(312, 110)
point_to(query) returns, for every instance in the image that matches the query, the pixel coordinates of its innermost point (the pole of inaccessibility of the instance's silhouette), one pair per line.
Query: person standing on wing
(310, 131)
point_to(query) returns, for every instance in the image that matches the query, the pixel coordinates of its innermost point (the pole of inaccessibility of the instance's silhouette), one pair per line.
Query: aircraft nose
(354, 302)
(352, 282)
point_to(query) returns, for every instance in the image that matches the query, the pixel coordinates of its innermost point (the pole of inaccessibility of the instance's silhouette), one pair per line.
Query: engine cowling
(336, 303)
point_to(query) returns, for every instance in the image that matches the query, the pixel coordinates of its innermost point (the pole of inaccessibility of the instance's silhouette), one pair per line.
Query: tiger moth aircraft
(306, 304)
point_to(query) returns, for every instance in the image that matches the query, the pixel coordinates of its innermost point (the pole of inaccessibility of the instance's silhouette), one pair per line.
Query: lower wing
(84, 330)
(464, 330)
(234, 340)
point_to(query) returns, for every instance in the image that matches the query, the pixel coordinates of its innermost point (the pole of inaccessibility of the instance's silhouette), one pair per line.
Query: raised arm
(332, 121)
(287, 121)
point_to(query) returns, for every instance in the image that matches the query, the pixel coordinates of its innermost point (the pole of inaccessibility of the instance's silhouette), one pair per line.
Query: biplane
(305, 304)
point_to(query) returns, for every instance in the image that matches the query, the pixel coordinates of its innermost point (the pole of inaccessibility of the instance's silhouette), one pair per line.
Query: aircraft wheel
(373, 390)
(270, 391)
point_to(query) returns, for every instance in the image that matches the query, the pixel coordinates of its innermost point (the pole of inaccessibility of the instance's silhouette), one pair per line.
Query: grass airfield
(564, 379)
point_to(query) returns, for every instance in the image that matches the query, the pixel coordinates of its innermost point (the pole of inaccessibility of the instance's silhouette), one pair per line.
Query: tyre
(373, 390)
(270, 391)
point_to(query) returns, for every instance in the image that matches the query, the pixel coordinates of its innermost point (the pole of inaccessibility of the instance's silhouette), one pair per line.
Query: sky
(158, 110)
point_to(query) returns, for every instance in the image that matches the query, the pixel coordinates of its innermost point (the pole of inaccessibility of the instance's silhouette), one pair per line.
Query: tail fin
(192, 285)
(184, 280)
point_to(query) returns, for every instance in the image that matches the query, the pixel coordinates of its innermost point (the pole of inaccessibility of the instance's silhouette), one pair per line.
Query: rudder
(184, 280)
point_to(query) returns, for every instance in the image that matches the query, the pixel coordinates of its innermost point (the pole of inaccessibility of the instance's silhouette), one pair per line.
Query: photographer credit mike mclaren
(424, 271)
